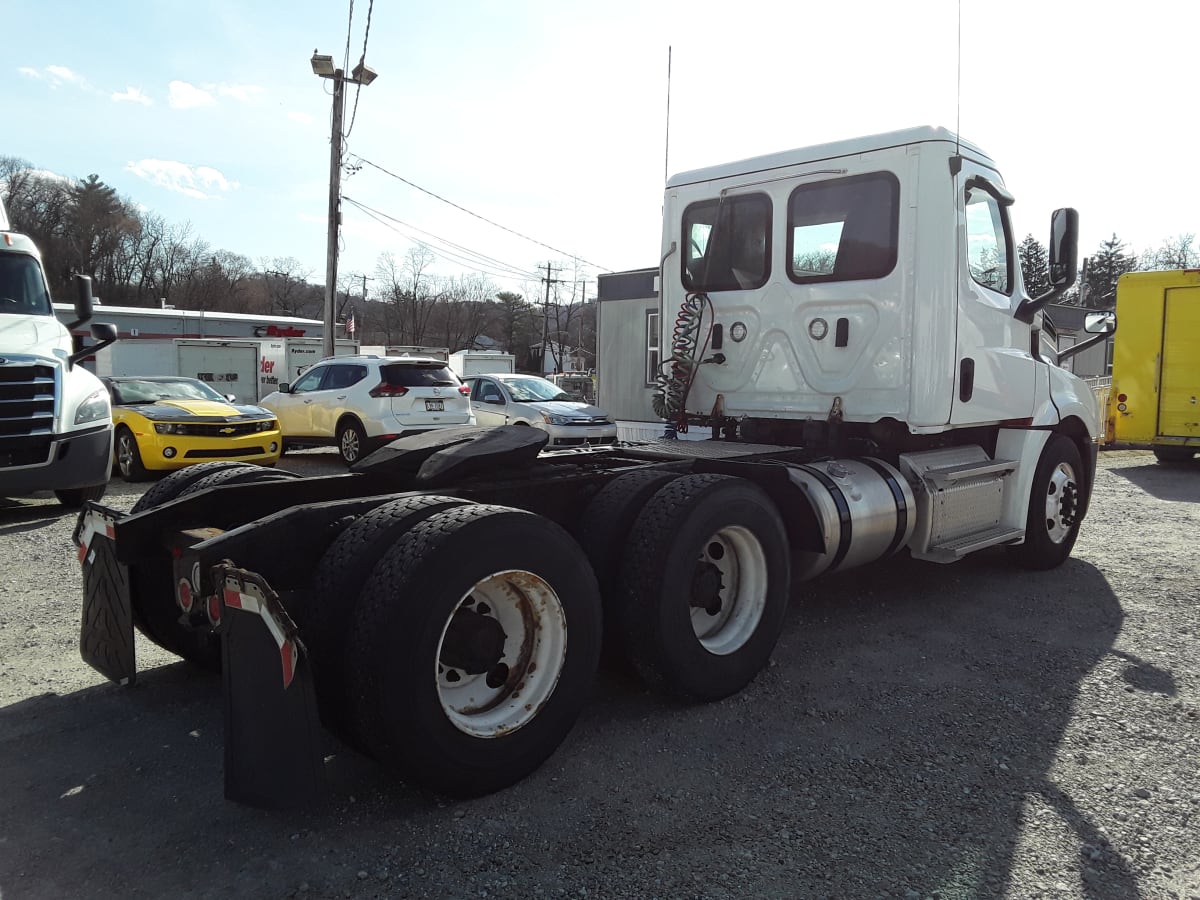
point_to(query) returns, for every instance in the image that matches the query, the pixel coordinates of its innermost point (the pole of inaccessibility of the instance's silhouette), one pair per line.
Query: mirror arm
(1078, 348)
(1031, 307)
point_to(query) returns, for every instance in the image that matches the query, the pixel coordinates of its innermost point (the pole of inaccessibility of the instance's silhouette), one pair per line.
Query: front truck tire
(473, 649)
(75, 498)
(1052, 524)
(705, 584)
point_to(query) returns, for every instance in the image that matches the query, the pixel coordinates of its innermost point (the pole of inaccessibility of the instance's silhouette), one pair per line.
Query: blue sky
(548, 117)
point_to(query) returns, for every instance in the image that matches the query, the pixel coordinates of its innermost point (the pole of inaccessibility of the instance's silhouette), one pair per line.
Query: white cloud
(57, 76)
(301, 117)
(198, 182)
(182, 95)
(246, 93)
(132, 95)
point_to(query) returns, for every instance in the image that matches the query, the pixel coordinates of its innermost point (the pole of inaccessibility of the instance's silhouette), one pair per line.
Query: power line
(349, 28)
(361, 60)
(472, 264)
(481, 257)
(477, 215)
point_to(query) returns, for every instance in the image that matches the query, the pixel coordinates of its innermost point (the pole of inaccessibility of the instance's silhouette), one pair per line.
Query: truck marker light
(1121, 398)
(213, 608)
(1121, 407)
(184, 595)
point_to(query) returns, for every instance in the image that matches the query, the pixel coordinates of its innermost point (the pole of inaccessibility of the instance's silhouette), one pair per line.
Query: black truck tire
(174, 484)
(325, 613)
(1174, 454)
(603, 533)
(155, 613)
(1052, 524)
(460, 675)
(75, 497)
(705, 586)
(248, 475)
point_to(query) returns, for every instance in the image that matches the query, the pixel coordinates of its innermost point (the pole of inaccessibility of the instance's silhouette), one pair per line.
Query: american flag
(350, 323)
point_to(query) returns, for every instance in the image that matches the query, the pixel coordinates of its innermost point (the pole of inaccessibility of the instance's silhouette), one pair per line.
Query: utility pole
(335, 187)
(362, 75)
(546, 315)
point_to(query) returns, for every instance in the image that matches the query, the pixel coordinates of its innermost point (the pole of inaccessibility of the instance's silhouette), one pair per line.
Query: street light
(362, 75)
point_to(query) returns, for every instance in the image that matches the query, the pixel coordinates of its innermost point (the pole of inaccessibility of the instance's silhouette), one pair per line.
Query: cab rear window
(410, 375)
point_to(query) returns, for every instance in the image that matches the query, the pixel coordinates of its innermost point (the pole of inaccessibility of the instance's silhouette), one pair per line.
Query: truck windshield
(22, 288)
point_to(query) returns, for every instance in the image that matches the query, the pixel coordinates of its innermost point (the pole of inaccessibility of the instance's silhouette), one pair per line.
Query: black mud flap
(273, 737)
(106, 631)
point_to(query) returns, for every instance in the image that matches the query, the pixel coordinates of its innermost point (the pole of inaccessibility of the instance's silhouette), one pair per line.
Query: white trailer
(286, 358)
(228, 367)
(442, 353)
(465, 363)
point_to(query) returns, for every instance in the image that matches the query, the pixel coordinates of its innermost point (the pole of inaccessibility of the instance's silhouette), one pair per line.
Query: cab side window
(989, 255)
(727, 244)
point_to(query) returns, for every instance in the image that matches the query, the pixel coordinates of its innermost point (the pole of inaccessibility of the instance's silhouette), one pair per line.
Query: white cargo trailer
(228, 367)
(465, 363)
(286, 358)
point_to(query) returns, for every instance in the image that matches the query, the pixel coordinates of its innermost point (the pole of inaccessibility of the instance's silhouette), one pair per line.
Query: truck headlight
(94, 408)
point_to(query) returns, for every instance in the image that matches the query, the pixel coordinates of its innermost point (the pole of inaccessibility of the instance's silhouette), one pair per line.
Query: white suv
(359, 403)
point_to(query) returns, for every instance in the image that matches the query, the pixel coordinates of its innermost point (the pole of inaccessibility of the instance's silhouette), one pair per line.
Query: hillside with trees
(136, 258)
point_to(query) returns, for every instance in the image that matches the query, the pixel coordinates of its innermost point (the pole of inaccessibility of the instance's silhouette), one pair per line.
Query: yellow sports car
(165, 422)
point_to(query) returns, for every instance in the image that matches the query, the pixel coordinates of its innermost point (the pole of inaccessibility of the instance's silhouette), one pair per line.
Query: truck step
(944, 476)
(957, 548)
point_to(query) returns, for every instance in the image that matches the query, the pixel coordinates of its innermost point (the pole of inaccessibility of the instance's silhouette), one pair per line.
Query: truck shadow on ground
(909, 721)
(1178, 482)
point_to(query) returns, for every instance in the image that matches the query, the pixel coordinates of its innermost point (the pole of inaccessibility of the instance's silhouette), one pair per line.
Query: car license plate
(435, 405)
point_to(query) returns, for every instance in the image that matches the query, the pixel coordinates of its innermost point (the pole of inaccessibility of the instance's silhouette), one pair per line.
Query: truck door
(994, 369)
(1179, 383)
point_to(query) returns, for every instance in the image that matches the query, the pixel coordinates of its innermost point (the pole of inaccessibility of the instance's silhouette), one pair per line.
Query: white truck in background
(465, 363)
(55, 420)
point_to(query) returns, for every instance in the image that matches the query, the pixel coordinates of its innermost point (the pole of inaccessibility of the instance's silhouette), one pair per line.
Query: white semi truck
(55, 420)
(851, 322)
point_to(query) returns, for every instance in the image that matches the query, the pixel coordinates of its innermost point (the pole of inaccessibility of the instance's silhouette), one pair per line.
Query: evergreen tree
(1035, 266)
(1108, 264)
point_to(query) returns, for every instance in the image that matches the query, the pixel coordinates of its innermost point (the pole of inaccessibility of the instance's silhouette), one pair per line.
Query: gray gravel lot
(923, 731)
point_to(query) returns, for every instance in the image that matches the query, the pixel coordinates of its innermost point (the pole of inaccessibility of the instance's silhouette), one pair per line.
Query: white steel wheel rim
(496, 703)
(125, 454)
(1062, 483)
(742, 562)
(350, 444)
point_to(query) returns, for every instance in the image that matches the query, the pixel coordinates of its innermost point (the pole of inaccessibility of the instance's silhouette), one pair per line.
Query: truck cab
(55, 420)
(875, 277)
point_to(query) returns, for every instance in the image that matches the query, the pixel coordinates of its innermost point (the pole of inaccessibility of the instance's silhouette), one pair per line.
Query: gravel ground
(923, 731)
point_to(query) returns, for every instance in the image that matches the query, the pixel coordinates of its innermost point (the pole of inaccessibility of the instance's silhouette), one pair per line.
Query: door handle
(308, 401)
(342, 397)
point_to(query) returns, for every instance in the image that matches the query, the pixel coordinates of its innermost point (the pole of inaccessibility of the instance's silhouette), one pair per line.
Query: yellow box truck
(1156, 364)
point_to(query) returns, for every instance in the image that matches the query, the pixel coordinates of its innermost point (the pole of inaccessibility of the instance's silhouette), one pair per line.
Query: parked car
(166, 422)
(359, 403)
(504, 399)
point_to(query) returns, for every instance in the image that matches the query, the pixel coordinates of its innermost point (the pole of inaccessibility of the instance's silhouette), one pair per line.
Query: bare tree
(1174, 253)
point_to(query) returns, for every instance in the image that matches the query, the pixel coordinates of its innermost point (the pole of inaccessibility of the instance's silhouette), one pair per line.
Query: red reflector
(184, 595)
(464, 389)
(1121, 398)
(214, 609)
(383, 389)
